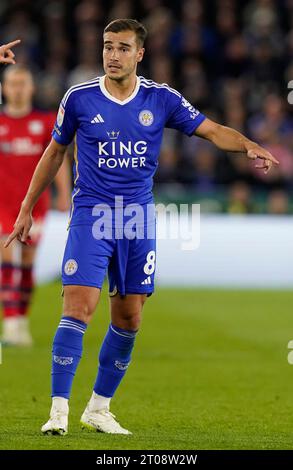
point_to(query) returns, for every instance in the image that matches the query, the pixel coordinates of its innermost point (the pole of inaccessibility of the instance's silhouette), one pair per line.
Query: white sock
(98, 402)
(60, 403)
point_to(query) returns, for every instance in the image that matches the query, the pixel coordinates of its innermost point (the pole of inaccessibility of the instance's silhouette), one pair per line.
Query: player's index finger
(274, 160)
(13, 43)
(269, 157)
(10, 238)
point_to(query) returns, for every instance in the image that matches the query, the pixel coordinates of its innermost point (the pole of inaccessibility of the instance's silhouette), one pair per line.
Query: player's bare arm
(6, 53)
(44, 174)
(230, 140)
(63, 186)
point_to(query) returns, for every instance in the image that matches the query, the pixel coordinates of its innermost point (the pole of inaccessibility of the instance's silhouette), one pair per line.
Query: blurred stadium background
(233, 60)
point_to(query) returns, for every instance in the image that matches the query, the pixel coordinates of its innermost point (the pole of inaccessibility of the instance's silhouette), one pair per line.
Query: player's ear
(140, 54)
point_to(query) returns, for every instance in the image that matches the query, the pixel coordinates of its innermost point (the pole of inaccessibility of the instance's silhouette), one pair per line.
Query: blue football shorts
(128, 259)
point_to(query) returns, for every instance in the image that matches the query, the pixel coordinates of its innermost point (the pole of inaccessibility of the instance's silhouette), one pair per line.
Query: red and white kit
(22, 143)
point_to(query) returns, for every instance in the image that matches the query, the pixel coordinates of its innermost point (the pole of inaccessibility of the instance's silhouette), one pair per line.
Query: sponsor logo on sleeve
(60, 115)
(193, 112)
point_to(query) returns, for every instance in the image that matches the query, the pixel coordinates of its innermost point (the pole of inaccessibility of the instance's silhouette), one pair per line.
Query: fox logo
(63, 361)
(122, 365)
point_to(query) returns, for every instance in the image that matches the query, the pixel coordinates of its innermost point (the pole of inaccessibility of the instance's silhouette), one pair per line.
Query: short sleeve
(66, 122)
(181, 115)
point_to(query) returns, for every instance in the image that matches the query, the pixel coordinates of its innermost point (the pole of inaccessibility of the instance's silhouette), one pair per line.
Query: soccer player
(117, 122)
(24, 134)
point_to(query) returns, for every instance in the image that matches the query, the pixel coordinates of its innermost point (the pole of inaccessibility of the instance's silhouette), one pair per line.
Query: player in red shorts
(24, 135)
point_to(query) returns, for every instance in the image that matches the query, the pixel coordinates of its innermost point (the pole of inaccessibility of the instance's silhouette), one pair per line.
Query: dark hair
(127, 24)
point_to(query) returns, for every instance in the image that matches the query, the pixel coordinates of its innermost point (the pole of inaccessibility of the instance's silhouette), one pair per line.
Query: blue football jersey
(117, 143)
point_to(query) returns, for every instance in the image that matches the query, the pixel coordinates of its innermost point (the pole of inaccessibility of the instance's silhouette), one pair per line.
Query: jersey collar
(116, 100)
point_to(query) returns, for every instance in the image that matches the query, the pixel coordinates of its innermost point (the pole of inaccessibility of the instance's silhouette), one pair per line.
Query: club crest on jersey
(60, 115)
(146, 117)
(70, 267)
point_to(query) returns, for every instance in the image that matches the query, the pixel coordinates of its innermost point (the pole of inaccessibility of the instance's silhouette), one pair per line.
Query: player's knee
(79, 304)
(133, 323)
(126, 312)
(81, 312)
(128, 321)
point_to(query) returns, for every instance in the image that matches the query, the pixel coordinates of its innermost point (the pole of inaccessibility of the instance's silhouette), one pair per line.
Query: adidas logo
(147, 280)
(97, 119)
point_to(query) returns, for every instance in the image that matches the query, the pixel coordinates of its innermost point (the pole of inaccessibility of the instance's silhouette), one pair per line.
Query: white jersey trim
(116, 100)
(80, 86)
(150, 83)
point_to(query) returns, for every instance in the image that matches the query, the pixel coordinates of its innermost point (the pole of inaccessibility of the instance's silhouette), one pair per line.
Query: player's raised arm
(44, 174)
(230, 140)
(6, 54)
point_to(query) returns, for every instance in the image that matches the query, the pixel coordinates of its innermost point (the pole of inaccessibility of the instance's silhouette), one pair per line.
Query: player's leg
(79, 305)
(8, 294)
(114, 359)
(17, 281)
(28, 255)
(131, 279)
(83, 269)
(26, 288)
(115, 353)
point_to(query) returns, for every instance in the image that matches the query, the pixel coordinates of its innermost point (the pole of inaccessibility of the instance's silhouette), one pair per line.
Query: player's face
(18, 88)
(121, 54)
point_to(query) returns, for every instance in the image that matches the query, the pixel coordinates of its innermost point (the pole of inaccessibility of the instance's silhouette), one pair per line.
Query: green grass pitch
(209, 371)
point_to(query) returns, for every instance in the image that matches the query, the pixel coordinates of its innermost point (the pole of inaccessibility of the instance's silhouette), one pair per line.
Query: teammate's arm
(230, 140)
(6, 54)
(44, 174)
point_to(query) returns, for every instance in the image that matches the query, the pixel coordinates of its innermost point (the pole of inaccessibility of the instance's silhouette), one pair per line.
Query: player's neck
(121, 89)
(17, 111)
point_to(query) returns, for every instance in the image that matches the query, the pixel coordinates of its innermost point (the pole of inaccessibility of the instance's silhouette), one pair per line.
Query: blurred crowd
(232, 59)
